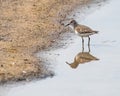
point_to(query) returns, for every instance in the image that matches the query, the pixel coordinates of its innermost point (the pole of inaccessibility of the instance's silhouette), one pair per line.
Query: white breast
(77, 33)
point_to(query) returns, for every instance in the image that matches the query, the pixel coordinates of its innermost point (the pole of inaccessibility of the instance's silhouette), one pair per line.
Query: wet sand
(29, 26)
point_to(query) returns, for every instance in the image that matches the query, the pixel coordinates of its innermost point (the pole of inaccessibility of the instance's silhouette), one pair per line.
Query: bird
(82, 58)
(82, 30)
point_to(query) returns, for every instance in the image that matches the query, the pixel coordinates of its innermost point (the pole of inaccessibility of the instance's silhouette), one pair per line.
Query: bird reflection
(82, 58)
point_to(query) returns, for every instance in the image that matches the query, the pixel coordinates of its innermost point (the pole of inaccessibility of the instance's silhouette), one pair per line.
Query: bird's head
(72, 22)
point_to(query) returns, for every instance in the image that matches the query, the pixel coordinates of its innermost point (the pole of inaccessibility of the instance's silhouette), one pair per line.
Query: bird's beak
(67, 63)
(67, 25)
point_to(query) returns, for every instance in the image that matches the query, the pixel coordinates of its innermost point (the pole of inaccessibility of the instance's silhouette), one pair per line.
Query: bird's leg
(88, 48)
(82, 44)
(89, 43)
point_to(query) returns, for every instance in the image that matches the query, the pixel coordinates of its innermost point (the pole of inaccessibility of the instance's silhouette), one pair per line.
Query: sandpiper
(82, 58)
(82, 30)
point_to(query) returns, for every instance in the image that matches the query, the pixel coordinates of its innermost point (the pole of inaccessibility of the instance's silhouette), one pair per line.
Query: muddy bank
(26, 27)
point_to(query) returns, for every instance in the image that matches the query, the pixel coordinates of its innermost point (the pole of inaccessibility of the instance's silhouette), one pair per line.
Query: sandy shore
(26, 27)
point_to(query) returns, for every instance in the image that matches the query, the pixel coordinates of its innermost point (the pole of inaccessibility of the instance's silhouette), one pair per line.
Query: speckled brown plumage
(82, 30)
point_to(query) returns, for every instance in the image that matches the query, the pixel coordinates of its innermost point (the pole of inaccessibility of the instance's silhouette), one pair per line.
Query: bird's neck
(75, 25)
(74, 64)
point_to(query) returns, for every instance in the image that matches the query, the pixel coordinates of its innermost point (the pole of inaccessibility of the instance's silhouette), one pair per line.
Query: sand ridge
(26, 27)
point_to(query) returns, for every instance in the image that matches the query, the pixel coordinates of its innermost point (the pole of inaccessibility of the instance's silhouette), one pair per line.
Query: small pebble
(24, 72)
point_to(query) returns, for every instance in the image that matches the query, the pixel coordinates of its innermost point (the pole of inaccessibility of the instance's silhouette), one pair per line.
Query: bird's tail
(95, 32)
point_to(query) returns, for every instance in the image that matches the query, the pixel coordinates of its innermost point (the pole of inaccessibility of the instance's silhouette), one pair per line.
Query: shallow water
(95, 78)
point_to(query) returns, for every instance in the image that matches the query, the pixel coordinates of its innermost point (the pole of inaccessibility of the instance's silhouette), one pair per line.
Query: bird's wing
(83, 29)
